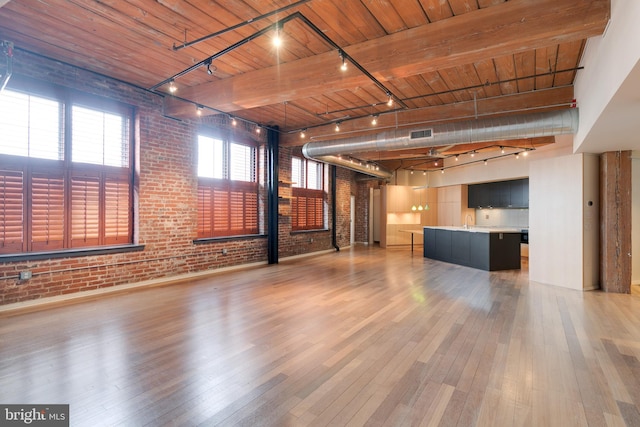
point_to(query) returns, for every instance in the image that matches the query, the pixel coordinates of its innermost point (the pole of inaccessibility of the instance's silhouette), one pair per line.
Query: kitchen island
(486, 248)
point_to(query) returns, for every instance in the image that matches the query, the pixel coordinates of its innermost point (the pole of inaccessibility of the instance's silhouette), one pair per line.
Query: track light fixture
(233, 121)
(390, 101)
(502, 149)
(208, 64)
(258, 129)
(277, 40)
(199, 109)
(302, 133)
(172, 86)
(374, 121)
(337, 126)
(343, 66)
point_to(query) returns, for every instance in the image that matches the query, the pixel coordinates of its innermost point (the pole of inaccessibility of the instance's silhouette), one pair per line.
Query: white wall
(606, 88)
(562, 227)
(635, 218)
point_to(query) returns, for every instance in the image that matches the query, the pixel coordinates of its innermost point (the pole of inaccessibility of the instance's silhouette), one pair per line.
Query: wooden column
(615, 221)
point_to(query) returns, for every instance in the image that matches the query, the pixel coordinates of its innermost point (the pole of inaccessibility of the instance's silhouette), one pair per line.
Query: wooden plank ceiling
(441, 60)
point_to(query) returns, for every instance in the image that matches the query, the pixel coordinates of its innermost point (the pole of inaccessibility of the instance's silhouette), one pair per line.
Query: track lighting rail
(240, 25)
(276, 26)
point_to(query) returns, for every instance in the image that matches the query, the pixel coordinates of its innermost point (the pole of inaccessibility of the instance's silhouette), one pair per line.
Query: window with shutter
(52, 198)
(308, 205)
(227, 188)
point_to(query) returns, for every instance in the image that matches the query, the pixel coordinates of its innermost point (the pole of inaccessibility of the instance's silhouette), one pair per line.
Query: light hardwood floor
(359, 337)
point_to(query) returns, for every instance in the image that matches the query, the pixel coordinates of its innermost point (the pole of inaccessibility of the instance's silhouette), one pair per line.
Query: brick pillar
(615, 225)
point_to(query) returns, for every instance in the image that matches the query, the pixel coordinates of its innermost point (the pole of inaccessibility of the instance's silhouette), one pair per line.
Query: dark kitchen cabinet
(460, 247)
(487, 251)
(473, 196)
(500, 194)
(519, 193)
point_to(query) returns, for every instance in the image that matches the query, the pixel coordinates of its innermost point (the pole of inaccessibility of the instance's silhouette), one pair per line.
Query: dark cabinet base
(487, 251)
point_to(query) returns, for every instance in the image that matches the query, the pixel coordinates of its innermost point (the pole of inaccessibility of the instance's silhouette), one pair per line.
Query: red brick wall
(166, 206)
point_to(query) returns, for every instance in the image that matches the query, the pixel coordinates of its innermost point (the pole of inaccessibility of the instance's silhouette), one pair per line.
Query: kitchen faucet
(466, 225)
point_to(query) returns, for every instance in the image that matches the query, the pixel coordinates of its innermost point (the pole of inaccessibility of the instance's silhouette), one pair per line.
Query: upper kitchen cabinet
(400, 198)
(519, 193)
(500, 194)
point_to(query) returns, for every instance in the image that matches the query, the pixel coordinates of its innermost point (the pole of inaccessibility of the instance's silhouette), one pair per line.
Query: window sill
(317, 230)
(71, 253)
(205, 240)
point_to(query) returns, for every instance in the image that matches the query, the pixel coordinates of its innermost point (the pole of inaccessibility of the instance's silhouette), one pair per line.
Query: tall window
(308, 204)
(58, 190)
(227, 188)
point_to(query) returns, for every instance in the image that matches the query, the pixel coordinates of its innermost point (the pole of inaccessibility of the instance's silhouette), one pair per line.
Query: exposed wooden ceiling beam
(511, 27)
(517, 103)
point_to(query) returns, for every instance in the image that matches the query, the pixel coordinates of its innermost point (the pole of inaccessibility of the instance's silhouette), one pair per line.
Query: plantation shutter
(236, 205)
(318, 221)
(251, 212)
(85, 211)
(47, 211)
(220, 212)
(11, 211)
(227, 209)
(117, 228)
(205, 195)
(307, 209)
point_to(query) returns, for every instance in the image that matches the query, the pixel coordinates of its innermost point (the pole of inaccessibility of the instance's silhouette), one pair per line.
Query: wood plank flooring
(361, 337)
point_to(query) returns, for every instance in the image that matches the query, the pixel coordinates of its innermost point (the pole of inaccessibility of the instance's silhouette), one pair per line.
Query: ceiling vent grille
(421, 134)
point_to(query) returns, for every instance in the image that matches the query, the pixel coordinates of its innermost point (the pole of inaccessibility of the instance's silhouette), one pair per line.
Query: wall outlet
(25, 275)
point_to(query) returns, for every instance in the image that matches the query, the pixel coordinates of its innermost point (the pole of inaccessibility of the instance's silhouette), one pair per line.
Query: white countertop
(478, 229)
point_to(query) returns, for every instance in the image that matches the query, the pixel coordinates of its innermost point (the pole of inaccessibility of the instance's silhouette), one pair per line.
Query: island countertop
(477, 229)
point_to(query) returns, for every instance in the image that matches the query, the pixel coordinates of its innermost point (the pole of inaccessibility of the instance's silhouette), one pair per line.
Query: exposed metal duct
(531, 125)
(356, 165)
